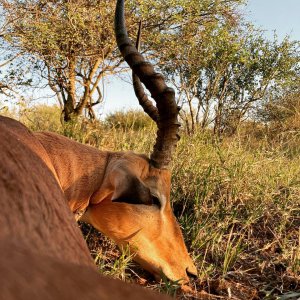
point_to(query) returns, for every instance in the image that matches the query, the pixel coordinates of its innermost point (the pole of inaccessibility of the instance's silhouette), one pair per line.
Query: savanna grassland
(237, 200)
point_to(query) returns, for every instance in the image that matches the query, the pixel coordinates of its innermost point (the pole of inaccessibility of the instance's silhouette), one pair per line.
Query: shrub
(131, 119)
(42, 118)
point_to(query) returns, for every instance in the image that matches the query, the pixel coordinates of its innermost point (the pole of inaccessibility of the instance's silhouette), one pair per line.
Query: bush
(131, 119)
(42, 118)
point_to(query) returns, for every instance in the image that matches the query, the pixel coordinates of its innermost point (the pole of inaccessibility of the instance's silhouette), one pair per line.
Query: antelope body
(124, 195)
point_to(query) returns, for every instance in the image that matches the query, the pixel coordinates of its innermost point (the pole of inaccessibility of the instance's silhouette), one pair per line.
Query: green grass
(238, 202)
(240, 210)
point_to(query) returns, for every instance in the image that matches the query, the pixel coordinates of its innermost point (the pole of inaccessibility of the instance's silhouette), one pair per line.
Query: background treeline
(224, 70)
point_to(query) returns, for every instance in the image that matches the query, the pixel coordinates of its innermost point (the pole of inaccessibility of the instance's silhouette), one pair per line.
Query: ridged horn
(164, 96)
(139, 91)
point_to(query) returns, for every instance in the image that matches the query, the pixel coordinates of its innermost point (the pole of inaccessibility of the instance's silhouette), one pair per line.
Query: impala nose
(191, 273)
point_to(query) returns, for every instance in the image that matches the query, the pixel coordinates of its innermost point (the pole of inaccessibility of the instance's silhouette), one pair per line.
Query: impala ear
(130, 189)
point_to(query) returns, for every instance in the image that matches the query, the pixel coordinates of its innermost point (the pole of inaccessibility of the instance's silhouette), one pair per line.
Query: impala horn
(142, 97)
(164, 96)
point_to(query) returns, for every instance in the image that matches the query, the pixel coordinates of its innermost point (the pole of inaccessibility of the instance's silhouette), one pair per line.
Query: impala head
(138, 212)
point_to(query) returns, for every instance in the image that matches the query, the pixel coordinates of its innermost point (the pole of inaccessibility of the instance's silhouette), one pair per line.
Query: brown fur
(43, 254)
(32, 209)
(93, 179)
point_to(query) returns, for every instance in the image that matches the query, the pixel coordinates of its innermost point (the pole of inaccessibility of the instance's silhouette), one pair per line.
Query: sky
(281, 16)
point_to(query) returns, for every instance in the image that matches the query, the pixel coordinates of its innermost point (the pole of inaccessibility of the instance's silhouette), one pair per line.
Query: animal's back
(33, 208)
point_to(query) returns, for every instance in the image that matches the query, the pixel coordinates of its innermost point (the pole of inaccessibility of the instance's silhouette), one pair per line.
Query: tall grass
(240, 210)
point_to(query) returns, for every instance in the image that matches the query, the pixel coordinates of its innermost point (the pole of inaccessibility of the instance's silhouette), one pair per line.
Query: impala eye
(156, 202)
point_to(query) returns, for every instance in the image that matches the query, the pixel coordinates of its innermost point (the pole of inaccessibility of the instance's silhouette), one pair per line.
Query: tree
(220, 66)
(253, 66)
(10, 77)
(73, 42)
(280, 109)
(221, 77)
(181, 42)
(72, 45)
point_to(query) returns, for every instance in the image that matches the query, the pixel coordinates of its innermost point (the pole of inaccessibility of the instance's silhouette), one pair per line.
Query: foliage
(12, 72)
(71, 43)
(41, 117)
(132, 119)
(281, 106)
(220, 76)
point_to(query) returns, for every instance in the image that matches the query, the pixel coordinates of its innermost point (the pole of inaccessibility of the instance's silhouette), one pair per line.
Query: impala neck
(80, 169)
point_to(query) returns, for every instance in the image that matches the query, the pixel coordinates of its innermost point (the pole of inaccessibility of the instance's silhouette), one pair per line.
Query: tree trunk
(69, 107)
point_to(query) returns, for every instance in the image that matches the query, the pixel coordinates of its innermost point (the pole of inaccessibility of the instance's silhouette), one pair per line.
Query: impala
(122, 194)
(42, 252)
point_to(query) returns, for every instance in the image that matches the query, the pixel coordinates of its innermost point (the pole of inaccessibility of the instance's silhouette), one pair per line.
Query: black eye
(155, 201)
